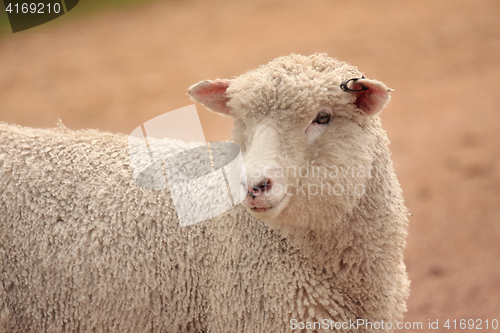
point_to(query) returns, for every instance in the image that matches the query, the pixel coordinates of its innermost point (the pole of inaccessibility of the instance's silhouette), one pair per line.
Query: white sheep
(317, 243)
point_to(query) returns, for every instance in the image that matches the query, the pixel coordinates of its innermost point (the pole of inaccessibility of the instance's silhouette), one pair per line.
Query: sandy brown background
(116, 69)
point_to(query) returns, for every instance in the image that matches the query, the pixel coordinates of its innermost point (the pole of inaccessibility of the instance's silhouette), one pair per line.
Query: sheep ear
(212, 94)
(371, 95)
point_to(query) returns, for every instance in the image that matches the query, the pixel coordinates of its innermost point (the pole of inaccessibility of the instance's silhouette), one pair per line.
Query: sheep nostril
(263, 186)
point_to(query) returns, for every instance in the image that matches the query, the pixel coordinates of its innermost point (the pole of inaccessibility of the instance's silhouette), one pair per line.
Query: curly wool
(83, 248)
(294, 83)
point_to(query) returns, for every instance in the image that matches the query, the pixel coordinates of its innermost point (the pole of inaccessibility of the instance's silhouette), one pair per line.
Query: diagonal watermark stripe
(204, 179)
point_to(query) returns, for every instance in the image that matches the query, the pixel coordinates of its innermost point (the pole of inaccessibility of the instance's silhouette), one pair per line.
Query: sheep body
(83, 248)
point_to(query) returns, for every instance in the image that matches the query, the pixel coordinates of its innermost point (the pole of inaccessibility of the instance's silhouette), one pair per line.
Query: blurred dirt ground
(118, 69)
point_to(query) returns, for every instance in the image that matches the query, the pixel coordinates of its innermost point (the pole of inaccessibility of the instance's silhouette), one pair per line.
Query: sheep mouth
(260, 209)
(263, 208)
(268, 211)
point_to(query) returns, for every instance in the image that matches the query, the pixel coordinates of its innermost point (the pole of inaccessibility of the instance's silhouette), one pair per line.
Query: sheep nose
(260, 187)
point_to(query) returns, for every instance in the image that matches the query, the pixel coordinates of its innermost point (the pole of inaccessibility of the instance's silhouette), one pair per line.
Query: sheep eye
(322, 118)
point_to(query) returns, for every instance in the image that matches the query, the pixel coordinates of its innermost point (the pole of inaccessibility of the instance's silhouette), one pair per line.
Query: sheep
(316, 245)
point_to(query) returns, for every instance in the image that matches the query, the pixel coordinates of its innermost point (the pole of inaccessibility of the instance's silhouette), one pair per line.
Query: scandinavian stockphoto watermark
(204, 179)
(26, 14)
(328, 325)
(310, 180)
(359, 324)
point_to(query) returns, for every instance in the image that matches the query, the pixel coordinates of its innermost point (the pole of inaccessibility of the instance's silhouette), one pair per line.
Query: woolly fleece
(83, 248)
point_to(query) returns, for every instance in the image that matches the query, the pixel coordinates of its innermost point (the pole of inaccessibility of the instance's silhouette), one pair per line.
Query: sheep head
(308, 143)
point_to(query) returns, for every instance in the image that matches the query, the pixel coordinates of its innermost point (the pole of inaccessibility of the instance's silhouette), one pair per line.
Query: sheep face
(308, 145)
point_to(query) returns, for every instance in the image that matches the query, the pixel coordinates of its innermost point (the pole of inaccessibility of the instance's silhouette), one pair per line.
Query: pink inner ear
(370, 101)
(212, 95)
